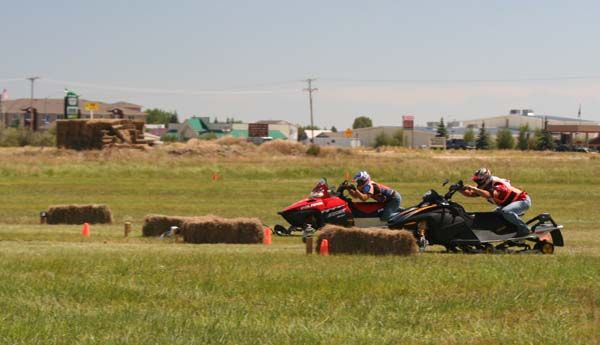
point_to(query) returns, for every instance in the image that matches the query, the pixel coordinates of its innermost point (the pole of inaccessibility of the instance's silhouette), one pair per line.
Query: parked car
(460, 144)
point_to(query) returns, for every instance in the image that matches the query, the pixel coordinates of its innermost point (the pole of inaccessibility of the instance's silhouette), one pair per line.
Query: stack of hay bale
(377, 241)
(99, 134)
(79, 214)
(156, 225)
(207, 229)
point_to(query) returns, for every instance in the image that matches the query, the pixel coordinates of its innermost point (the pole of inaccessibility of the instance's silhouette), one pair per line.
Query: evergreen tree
(483, 139)
(504, 139)
(522, 140)
(442, 131)
(333, 129)
(544, 140)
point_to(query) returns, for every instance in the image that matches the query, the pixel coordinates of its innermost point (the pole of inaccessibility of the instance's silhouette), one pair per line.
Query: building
(17, 113)
(290, 131)
(514, 121)
(338, 139)
(312, 132)
(198, 127)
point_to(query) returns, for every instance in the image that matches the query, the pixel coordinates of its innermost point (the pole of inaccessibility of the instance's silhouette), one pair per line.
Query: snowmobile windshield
(320, 189)
(430, 197)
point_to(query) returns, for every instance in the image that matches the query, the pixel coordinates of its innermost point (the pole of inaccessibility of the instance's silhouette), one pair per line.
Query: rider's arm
(478, 192)
(468, 192)
(357, 194)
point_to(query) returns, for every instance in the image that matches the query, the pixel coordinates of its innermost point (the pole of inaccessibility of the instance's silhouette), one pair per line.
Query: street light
(32, 80)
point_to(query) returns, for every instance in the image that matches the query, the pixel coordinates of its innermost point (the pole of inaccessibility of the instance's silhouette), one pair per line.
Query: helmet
(482, 177)
(362, 177)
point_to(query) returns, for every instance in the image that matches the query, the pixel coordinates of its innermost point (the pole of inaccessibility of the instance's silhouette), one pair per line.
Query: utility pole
(310, 90)
(32, 80)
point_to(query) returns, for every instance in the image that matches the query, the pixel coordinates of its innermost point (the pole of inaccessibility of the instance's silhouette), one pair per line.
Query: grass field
(59, 288)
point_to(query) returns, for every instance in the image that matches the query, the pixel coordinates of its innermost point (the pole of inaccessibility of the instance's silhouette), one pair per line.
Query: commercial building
(20, 112)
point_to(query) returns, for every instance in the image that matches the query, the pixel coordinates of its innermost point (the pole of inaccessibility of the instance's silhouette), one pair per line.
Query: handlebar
(453, 189)
(345, 186)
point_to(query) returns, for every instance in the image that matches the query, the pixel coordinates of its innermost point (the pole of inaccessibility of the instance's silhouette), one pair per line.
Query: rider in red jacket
(511, 201)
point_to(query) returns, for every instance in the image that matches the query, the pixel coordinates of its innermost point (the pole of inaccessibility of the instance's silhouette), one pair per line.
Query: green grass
(57, 287)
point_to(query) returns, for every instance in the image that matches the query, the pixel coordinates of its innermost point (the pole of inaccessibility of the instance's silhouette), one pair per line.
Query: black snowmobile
(439, 220)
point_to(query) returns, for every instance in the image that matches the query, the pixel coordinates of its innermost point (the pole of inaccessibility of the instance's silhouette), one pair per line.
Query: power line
(230, 91)
(507, 80)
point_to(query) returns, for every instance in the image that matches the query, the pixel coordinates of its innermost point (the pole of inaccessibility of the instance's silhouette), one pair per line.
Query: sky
(250, 59)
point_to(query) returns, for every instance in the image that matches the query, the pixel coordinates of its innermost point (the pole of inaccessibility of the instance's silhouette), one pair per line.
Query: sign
(92, 106)
(71, 105)
(408, 122)
(348, 133)
(437, 143)
(258, 130)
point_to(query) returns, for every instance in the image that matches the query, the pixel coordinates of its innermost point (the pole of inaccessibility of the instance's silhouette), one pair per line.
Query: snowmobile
(329, 206)
(439, 220)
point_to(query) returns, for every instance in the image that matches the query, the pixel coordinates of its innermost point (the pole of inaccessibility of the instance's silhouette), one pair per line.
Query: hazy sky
(248, 59)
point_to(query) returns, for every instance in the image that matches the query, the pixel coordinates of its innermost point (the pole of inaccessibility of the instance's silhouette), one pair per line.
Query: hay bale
(79, 214)
(156, 225)
(377, 241)
(212, 229)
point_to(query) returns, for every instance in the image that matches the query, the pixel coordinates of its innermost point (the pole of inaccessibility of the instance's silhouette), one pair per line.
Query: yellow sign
(348, 133)
(92, 106)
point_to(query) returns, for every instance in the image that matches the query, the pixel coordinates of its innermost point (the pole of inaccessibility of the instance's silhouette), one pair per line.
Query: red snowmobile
(325, 206)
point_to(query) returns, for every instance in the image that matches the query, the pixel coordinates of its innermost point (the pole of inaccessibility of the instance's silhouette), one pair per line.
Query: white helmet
(362, 177)
(482, 177)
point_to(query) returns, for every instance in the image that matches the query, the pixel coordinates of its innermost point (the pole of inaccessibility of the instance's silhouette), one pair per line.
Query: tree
(362, 122)
(523, 139)
(302, 134)
(442, 131)
(159, 116)
(333, 129)
(383, 139)
(504, 139)
(483, 139)
(544, 140)
(174, 118)
(469, 135)
(398, 138)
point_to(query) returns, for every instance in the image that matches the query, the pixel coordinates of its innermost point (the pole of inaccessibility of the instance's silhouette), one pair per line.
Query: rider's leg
(511, 213)
(391, 207)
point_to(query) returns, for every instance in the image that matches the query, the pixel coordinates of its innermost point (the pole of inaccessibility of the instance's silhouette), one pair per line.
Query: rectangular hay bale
(79, 214)
(156, 225)
(211, 229)
(376, 241)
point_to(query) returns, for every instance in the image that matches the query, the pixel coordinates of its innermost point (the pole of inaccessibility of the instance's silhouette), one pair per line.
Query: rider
(366, 188)
(511, 201)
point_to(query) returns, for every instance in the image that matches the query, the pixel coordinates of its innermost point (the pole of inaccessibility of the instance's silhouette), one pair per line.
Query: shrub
(313, 150)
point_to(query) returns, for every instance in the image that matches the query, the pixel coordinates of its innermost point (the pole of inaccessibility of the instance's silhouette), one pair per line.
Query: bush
(505, 140)
(313, 150)
(26, 137)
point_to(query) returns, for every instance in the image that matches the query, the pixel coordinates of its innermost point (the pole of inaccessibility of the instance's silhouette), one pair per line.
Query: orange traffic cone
(267, 236)
(85, 231)
(324, 249)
